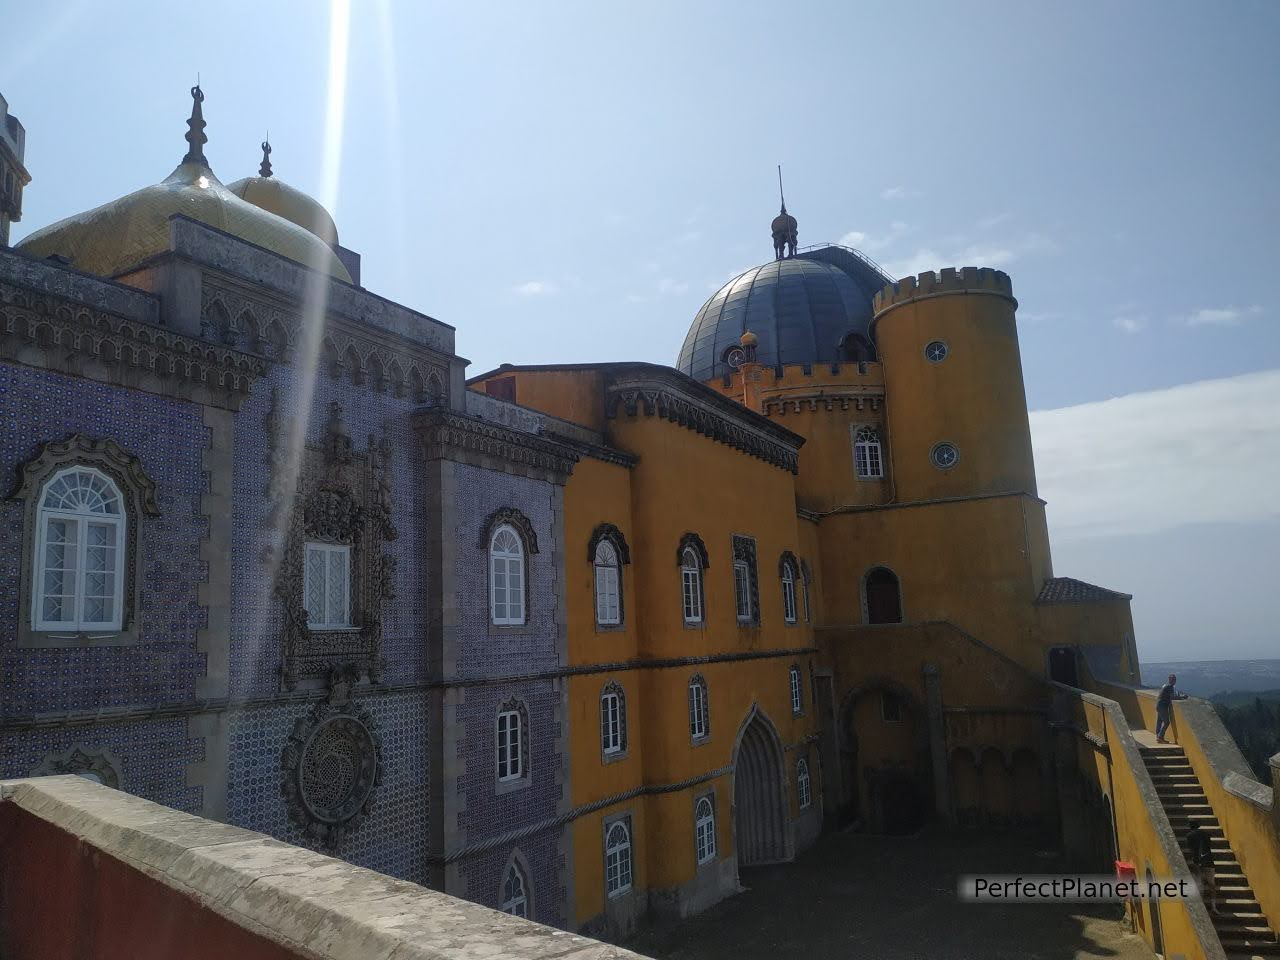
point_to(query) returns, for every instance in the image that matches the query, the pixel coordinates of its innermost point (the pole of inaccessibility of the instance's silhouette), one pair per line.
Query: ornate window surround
(627, 845)
(609, 533)
(804, 784)
(691, 545)
(338, 496)
(744, 552)
(517, 863)
(523, 527)
(613, 688)
(139, 493)
(700, 818)
(795, 686)
(517, 706)
(699, 710)
(789, 574)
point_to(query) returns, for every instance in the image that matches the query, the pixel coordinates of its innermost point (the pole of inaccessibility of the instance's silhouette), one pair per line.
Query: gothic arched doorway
(759, 811)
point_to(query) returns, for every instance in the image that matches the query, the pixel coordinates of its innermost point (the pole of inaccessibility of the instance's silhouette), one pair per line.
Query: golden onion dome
(119, 235)
(283, 200)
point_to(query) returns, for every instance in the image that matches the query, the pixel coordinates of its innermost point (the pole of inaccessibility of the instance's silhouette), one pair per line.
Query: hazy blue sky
(569, 181)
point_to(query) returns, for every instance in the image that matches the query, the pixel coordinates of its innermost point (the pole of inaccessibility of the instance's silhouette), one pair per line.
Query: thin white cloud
(1221, 316)
(1204, 452)
(1032, 316)
(957, 252)
(1130, 323)
(536, 288)
(986, 223)
(898, 193)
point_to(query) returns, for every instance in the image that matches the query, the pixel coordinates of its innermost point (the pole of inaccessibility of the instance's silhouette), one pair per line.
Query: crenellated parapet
(968, 280)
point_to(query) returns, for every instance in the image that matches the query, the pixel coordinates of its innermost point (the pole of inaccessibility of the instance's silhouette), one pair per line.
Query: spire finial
(784, 227)
(195, 129)
(264, 170)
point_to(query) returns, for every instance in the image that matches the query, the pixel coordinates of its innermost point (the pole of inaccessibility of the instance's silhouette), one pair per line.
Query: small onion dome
(784, 224)
(278, 197)
(748, 339)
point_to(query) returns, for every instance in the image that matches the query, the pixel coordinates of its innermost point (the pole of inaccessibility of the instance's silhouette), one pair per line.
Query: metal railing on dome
(857, 253)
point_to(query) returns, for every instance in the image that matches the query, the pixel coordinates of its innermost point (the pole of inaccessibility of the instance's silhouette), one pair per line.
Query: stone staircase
(1242, 928)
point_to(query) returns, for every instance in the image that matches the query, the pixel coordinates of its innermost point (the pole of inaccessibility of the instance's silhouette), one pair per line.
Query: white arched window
(79, 553)
(617, 859)
(608, 596)
(691, 585)
(613, 720)
(515, 896)
(704, 830)
(797, 694)
(698, 726)
(506, 577)
(803, 786)
(868, 459)
(788, 592)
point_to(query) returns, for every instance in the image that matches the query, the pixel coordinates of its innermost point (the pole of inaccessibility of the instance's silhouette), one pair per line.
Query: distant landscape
(1246, 694)
(1208, 678)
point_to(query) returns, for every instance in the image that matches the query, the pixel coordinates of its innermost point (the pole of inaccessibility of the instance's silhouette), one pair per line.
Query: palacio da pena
(270, 556)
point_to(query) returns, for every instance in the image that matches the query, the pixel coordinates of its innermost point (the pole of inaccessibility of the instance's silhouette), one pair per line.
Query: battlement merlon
(969, 280)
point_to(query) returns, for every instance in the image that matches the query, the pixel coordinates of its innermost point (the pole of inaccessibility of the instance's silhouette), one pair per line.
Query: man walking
(1164, 706)
(1202, 864)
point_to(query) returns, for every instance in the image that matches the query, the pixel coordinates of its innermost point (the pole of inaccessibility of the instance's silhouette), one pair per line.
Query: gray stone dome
(808, 309)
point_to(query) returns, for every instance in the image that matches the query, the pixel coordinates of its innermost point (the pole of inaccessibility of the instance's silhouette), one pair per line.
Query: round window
(338, 768)
(944, 455)
(935, 351)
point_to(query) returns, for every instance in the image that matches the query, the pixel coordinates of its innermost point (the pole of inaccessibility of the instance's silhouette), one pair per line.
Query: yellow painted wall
(654, 505)
(965, 562)
(575, 395)
(824, 408)
(975, 398)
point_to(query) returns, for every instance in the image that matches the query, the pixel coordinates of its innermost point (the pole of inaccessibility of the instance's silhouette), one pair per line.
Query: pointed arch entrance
(759, 794)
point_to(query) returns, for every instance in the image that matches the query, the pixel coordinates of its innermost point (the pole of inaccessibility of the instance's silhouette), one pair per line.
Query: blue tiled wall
(169, 438)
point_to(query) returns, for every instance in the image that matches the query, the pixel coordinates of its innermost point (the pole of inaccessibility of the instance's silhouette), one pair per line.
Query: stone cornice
(452, 436)
(47, 331)
(712, 415)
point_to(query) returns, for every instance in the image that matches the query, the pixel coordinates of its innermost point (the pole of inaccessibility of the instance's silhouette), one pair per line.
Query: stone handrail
(86, 870)
(1143, 832)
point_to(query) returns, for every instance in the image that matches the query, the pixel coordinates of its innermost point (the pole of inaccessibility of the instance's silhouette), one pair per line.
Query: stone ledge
(313, 905)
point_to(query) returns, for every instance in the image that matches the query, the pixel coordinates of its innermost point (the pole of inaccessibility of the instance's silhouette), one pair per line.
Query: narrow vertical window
(805, 578)
(797, 693)
(745, 586)
(617, 859)
(788, 592)
(698, 713)
(742, 590)
(803, 786)
(613, 720)
(515, 897)
(867, 454)
(506, 577)
(510, 737)
(608, 594)
(691, 585)
(79, 553)
(704, 830)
